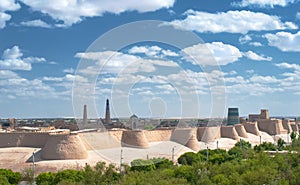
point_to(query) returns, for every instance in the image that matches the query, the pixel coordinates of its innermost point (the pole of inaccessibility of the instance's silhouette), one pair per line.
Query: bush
(45, 179)
(265, 146)
(12, 177)
(142, 165)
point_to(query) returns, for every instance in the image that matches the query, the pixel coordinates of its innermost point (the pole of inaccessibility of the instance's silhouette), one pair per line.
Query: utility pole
(33, 166)
(241, 145)
(207, 153)
(173, 151)
(259, 139)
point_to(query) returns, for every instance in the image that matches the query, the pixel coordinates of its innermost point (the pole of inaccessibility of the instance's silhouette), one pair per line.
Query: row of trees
(240, 165)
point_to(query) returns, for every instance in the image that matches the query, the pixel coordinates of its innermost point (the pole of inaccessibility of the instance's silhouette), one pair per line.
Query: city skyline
(255, 44)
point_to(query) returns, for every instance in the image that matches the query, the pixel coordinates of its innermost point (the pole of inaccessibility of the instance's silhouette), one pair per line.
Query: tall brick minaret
(107, 113)
(85, 119)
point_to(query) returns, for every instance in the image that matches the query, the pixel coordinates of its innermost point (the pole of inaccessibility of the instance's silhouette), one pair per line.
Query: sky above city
(244, 53)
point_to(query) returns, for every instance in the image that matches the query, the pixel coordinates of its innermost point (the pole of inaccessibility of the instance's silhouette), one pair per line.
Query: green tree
(69, 175)
(280, 144)
(162, 163)
(142, 165)
(12, 177)
(293, 135)
(45, 178)
(265, 146)
(4, 181)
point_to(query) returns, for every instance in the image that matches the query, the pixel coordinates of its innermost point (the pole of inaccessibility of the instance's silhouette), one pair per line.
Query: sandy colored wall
(208, 134)
(134, 138)
(100, 140)
(158, 135)
(186, 137)
(241, 131)
(116, 133)
(229, 132)
(295, 127)
(36, 140)
(251, 127)
(287, 126)
(64, 146)
(271, 126)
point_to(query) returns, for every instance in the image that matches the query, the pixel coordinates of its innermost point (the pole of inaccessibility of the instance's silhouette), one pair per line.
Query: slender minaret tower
(107, 113)
(85, 120)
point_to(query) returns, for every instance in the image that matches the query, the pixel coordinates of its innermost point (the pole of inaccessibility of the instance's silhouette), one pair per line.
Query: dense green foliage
(241, 165)
(9, 177)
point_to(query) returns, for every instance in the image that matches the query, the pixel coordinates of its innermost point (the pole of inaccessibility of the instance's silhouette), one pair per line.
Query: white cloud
(71, 12)
(5, 74)
(12, 59)
(8, 5)
(69, 70)
(36, 23)
(244, 39)
(264, 3)
(253, 56)
(3, 18)
(147, 50)
(285, 65)
(152, 51)
(116, 62)
(250, 71)
(232, 21)
(256, 44)
(206, 54)
(284, 41)
(264, 79)
(298, 15)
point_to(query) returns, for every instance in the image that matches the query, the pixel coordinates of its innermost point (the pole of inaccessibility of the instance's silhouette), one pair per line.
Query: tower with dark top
(85, 119)
(233, 116)
(107, 113)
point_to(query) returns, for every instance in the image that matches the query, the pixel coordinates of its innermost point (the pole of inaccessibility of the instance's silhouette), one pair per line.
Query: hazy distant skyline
(256, 44)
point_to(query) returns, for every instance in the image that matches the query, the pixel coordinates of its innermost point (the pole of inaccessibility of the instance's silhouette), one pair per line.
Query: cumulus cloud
(209, 53)
(285, 65)
(264, 3)
(152, 51)
(69, 70)
(36, 23)
(12, 59)
(115, 62)
(298, 15)
(284, 41)
(256, 44)
(5, 74)
(244, 39)
(7, 5)
(71, 12)
(254, 56)
(232, 21)
(264, 79)
(3, 18)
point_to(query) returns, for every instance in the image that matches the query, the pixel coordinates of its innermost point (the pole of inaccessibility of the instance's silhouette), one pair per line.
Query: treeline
(241, 165)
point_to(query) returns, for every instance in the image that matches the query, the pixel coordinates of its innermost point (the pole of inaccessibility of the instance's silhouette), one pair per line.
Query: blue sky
(251, 46)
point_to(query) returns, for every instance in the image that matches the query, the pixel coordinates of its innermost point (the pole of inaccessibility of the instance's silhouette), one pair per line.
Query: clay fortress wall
(60, 146)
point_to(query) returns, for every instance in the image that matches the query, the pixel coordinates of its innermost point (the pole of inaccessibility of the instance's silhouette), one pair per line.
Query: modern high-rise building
(85, 119)
(107, 113)
(233, 116)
